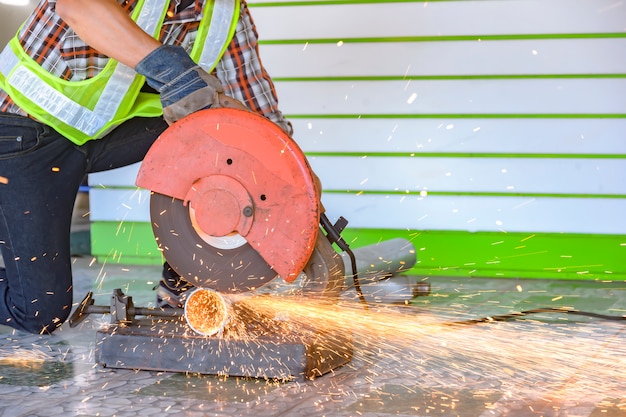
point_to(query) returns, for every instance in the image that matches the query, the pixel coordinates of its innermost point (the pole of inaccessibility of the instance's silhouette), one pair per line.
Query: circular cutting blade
(231, 267)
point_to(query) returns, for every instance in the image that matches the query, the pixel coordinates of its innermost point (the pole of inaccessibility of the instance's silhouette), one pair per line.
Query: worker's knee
(41, 320)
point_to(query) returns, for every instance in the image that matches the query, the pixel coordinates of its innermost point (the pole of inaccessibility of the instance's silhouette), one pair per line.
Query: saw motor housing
(234, 202)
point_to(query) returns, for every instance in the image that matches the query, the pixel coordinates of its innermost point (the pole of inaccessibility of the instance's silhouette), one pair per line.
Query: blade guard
(240, 173)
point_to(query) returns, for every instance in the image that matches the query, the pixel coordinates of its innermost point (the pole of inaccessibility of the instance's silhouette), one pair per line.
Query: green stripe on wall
(448, 38)
(339, 2)
(450, 77)
(425, 193)
(509, 255)
(461, 116)
(509, 155)
(440, 253)
(127, 243)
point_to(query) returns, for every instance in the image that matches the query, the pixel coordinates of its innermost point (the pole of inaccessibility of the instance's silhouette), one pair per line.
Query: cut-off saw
(236, 211)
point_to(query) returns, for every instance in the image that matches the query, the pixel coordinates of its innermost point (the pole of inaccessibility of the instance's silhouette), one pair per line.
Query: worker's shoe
(172, 290)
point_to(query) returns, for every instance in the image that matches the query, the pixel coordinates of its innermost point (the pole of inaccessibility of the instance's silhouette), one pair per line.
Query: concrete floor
(406, 360)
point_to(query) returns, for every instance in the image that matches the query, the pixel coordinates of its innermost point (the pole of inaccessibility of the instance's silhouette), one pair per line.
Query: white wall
(461, 115)
(452, 115)
(10, 19)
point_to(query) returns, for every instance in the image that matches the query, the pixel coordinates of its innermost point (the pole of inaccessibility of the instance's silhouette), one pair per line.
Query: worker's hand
(183, 85)
(318, 189)
(229, 102)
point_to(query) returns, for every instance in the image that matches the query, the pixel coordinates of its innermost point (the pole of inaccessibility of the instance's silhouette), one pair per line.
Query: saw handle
(229, 102)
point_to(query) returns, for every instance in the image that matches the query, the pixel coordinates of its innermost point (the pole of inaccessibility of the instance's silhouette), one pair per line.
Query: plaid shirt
(55, 46)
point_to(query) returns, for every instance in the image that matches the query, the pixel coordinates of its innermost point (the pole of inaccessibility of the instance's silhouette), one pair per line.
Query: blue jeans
(40, 172)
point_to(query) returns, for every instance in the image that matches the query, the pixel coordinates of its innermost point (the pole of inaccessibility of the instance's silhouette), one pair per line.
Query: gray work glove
(183, 85)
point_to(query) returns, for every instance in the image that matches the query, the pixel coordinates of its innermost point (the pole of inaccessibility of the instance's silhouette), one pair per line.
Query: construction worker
(87, 86)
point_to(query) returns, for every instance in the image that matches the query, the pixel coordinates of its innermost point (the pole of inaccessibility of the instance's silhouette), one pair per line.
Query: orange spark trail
(542, 354)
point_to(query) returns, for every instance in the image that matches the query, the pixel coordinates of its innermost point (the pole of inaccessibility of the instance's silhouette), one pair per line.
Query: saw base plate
(149, 344)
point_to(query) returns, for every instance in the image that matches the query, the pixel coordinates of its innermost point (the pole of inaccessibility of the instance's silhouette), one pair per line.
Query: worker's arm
(184, 86)
(106, 27)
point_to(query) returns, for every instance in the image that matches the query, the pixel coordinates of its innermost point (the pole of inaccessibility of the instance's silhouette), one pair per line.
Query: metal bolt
(247, 211)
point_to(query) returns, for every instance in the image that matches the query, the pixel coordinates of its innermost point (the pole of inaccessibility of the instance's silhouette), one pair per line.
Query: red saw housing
(239, 173)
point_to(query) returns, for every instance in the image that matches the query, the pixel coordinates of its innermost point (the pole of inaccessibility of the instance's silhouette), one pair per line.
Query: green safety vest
(88, 109)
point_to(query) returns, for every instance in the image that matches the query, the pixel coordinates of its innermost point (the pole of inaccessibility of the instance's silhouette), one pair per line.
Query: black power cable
(333, 234)
(505, 317)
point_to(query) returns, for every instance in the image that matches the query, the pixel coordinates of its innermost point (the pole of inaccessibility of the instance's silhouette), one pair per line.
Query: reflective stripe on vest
(218, 37)
(93, 123)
